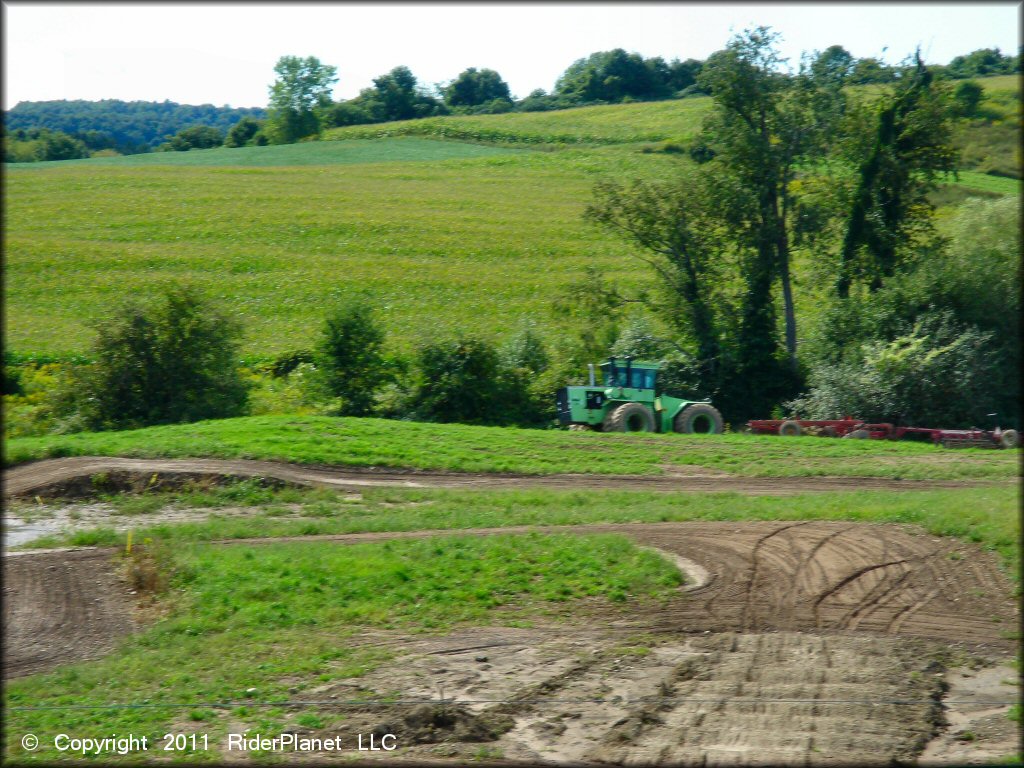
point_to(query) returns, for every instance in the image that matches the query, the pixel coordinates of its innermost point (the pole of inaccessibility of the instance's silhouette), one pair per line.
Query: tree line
(109, 126)
(300, 103)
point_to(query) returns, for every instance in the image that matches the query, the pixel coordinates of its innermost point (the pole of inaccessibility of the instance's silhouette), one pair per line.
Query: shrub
(459, 382)
(349, 357)
(934, 376)
(967, 98)
(165, 362)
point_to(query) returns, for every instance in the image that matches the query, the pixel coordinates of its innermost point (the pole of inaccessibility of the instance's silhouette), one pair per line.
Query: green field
(982, 515)
(432, 242)
(611, 124)
(443, 235)
(309, 153)
(457, 447)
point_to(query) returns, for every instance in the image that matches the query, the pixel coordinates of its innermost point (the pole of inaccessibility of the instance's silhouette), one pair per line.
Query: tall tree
(474, 87)
(890, 207)
(299, 97)
(765, 124)
(679, 235)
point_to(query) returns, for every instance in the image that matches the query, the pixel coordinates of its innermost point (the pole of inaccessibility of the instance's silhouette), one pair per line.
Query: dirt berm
(75, 476)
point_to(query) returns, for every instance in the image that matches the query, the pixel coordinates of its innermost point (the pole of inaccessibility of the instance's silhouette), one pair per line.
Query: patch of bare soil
(977, 729)
(76, 477)
(585, 697)
(25, 524)
(61, 606)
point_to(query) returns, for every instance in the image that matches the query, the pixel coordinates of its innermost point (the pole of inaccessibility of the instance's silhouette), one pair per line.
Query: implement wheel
(698, 418)
(858, 434)
(790, 429)
(828, 431)
(630, 417)
(1009, 438)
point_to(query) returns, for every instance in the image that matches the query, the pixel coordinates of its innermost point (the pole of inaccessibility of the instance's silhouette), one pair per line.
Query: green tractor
(628, 401)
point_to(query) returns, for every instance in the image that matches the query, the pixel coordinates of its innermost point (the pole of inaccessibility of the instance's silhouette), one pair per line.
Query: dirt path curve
(809, 576)
(63, 476)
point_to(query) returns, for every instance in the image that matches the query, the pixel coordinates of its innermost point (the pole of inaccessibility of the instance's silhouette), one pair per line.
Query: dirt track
(762, 576)
(72, 476)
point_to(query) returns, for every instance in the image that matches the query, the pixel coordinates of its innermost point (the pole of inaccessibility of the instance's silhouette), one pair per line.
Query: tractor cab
(623, 372)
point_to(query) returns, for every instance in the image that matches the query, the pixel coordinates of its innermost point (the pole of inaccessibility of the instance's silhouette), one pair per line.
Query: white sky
(198, 53)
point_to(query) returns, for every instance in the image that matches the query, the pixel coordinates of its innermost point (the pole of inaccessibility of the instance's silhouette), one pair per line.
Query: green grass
(404, 150)
(384, 443)
(283, 619)
(443, 235)
(982, 515)
(472, 243)
(986, 183)
(612, 124)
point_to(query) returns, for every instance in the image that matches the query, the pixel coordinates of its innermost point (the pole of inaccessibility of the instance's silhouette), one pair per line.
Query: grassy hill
(445, 235)
(611, 124)
(460, 447)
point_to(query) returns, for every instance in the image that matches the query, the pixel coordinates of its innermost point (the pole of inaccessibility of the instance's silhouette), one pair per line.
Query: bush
(243, 132)
(459, 382)
(935, 376)
(349, 357)
(967, 98)
(195, 137)
(166, 362)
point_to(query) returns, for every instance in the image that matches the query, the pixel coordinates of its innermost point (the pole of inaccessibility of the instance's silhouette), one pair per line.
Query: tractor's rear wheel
(790, 428)
(698, 418)
(1009, 438)
(630, 417)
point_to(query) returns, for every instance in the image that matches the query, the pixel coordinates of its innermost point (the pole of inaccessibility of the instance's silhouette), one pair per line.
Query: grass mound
(384, 443)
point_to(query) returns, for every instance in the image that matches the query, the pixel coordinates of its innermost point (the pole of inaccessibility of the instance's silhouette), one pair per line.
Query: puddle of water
(17, 531)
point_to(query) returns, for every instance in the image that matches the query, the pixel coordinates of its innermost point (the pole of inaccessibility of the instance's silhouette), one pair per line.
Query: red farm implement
(858, 429)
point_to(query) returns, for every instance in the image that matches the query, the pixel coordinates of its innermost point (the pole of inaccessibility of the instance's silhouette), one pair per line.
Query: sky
(224, 54)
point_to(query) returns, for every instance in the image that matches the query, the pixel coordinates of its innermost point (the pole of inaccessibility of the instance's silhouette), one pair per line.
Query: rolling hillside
(445, 235)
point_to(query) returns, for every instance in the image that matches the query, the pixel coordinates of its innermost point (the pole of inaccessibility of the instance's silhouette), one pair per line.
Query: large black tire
(699, 418)
(858, 434)
(629, 417)
(1009, 438)
(790, 428)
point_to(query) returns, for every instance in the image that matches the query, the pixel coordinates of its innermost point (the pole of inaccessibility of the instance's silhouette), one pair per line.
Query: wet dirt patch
(977, 729)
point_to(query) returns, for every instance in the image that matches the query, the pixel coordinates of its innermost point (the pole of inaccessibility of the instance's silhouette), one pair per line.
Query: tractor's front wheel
(698, 418)
(630, 417)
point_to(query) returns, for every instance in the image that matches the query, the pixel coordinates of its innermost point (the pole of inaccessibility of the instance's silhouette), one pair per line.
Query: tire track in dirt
(59, 607)
(66, 605)
(72, 476)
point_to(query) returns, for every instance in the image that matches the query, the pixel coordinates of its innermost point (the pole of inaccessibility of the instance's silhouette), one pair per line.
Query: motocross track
(792, 642)
(73, 477)
(760, 576)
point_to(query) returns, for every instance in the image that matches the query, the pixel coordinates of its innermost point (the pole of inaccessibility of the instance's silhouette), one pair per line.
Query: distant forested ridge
(127, 127)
